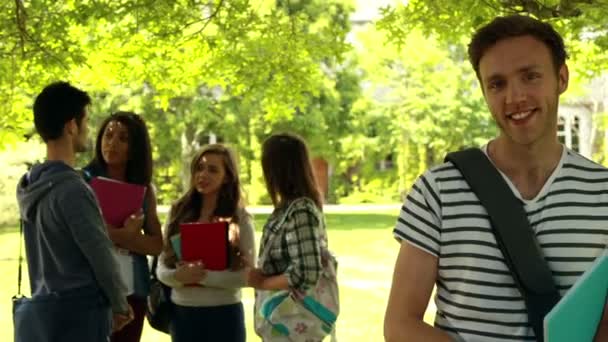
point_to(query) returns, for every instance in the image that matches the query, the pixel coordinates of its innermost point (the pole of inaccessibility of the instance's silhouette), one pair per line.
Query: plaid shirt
(296, 244)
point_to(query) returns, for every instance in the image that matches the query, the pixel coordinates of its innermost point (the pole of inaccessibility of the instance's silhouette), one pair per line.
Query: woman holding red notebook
(208, 302)
(123, 153)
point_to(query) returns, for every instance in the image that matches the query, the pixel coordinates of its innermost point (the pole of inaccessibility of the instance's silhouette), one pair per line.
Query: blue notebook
(176, 243)
(577, 315)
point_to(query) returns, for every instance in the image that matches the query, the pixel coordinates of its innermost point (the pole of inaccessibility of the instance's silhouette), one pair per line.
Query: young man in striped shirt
(445, 233)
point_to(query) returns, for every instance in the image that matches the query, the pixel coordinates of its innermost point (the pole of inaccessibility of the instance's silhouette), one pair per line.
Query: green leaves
(423, 103)
(238, 69)
(267, 55)
(451, 21)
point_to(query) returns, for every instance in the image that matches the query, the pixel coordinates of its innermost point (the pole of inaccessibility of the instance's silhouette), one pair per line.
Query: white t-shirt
(125, 268)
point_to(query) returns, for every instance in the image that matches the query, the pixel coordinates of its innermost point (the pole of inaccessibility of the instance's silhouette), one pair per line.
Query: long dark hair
(139, 159)
(288, 171)
(188, 207)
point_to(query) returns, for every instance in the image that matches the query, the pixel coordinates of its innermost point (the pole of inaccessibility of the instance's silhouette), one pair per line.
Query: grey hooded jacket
(66, 244)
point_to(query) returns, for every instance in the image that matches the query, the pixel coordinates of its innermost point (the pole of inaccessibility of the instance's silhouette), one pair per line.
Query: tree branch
(25, 37)
(565, 8)
(207, 20)
(20, 21)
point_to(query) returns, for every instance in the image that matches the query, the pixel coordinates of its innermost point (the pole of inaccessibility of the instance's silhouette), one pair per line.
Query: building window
(568, 132)
(575, 134)
(561, 130)
(386, 164)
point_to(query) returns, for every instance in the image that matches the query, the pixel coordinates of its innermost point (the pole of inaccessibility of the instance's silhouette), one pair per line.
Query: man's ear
(563, 77)
(70, 127)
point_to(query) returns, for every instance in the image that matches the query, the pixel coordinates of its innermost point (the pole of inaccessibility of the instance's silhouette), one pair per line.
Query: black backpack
(158, 303)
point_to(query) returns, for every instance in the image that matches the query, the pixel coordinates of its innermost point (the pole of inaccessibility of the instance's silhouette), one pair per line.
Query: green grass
(366, 254)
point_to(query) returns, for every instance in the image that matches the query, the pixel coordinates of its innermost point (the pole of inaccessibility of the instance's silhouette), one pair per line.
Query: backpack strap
(20, 260)
(274, 235)
(513, 233)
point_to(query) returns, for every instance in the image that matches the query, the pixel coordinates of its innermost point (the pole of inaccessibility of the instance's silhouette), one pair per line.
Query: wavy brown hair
(288, 171)
(229, 206)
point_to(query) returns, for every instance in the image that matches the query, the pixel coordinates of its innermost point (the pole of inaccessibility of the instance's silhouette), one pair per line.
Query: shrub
(14, 159)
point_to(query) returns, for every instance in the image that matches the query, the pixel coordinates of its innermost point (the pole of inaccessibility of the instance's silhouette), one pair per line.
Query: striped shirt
(476, 298)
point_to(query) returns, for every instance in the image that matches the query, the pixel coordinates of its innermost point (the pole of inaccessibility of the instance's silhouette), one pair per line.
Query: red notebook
(207, 242)
(117, 199)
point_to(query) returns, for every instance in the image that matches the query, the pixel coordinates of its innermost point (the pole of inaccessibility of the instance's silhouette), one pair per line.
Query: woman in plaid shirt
(294, 257)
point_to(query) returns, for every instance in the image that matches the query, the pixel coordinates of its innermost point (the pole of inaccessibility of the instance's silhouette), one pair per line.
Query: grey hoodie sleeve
(85, 222)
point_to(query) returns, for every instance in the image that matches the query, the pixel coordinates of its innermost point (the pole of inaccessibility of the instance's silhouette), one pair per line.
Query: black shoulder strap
(155, 261)
(20, 260)
(513, 233)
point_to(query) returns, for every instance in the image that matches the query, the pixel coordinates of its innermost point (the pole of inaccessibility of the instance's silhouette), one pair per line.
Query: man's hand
(189, 273)
(602, 329)
(119, 320)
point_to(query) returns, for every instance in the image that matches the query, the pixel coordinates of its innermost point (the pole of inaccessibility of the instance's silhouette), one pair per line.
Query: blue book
(577, 315)
(176, 243)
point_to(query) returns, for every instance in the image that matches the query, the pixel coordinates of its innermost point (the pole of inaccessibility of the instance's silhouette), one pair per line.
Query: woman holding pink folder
(208, 303)
(123, 153)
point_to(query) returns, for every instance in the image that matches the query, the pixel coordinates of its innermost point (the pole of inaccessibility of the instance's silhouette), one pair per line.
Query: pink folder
(207, 242)
(117, 199)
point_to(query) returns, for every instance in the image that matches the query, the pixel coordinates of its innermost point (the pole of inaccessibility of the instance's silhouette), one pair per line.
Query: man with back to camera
(445, 235)
(74, 278)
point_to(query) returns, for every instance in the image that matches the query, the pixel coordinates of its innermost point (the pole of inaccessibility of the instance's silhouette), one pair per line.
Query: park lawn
(366, 254)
